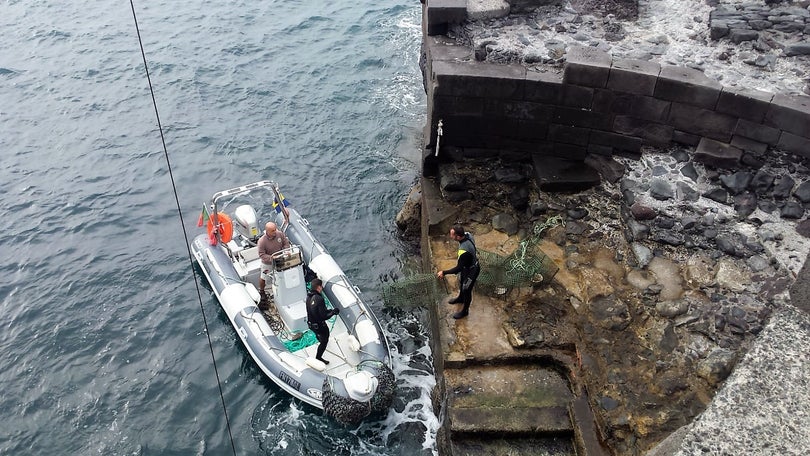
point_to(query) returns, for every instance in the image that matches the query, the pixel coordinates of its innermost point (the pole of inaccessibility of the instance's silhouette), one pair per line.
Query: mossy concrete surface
(508, 399)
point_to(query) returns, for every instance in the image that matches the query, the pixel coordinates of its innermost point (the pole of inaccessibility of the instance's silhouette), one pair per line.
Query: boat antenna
(182, 225)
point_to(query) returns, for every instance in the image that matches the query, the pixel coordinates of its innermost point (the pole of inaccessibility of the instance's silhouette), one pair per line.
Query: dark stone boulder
(782, 188)
(661, 189)
(717, 366)
(689, 221)
(634, 186)
(509, 176)
(716, 154)
(792, 210)
(802, 192)
(767, 206)
(408, 218)
(717, 194)
(643, 254)
(665, 222)
(686, 192)
(719, 322)
(736, 183)
(737, 36)
(751, 161)
(637, 231)
(558, 175)
(610, 313)
(737, 325)
(671, 382)
(670, 238)
(688, 170)
(762, 181)
(451, 181)
(575, 228)
(797, 49)
(519, 198)
(457, 196)
(628, 197)
(537, 207)
(728, 245)
(577, 213)
(505, 223)
(669, 340)
(745, 204)
(406, 434)
(680, 156)
(608, 403)
(642, 212)
(752, 244)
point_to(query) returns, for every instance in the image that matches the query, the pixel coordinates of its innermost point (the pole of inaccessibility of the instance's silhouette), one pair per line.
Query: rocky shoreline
(738, 43)
(673, 264)
(663, 284)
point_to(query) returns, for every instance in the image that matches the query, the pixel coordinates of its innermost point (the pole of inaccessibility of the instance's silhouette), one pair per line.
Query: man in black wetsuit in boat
(317, 314)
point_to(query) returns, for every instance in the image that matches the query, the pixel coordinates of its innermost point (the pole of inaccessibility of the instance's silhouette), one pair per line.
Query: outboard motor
(247, 224)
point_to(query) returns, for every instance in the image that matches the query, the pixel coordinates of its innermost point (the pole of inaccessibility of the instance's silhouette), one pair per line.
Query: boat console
(290, 288)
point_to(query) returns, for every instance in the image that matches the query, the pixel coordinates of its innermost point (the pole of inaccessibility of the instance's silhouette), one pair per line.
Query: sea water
(104, 338)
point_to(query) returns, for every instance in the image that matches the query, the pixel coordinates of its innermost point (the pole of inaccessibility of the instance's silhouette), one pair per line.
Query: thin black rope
(183, 226)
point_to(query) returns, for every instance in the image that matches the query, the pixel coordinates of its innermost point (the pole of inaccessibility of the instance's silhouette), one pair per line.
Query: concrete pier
(497, 395)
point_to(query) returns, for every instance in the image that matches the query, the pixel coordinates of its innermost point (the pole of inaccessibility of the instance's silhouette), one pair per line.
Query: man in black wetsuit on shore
(317, 314)
(467, 266)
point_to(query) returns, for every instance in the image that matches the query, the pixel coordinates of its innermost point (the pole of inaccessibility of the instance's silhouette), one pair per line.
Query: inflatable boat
(358, 379)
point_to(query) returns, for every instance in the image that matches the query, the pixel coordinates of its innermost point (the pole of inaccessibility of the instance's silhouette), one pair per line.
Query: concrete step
(509, 399)
(507, 420)
(495, 446)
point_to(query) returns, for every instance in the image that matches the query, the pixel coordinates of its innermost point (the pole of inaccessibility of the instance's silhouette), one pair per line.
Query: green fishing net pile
(526, 266)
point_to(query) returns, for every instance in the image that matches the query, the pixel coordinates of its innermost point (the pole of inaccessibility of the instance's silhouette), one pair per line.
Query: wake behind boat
(358, 379)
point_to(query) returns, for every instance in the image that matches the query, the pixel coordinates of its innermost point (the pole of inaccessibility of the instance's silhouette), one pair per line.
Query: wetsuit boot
(463, 312)
(319, 353)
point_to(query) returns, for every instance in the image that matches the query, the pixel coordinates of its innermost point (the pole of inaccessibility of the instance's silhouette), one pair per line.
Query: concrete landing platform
(525, 400)
(500, 399)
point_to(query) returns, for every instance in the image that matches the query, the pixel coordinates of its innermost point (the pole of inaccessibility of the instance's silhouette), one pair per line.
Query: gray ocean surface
(103, 346)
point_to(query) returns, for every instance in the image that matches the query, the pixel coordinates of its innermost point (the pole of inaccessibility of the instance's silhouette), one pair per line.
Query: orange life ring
(224, 226)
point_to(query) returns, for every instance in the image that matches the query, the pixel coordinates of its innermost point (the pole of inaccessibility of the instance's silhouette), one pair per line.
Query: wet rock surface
(660, 293)
(761, 45)
(726, 427)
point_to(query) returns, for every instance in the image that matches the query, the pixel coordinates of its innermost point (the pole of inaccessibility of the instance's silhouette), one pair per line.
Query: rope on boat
(183, 226)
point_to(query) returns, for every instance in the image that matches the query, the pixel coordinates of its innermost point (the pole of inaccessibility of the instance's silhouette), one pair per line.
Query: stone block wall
(595, 105)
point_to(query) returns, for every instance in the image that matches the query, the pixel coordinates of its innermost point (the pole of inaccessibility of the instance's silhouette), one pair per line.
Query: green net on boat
(289, 339)
(307, 338)
(413, 291)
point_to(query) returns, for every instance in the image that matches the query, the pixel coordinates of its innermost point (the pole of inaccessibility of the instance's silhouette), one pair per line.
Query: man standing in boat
(272, 242)
(317, 314)
(467, 268)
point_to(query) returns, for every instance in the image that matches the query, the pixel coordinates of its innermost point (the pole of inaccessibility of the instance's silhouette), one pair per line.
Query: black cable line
(183, 225)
